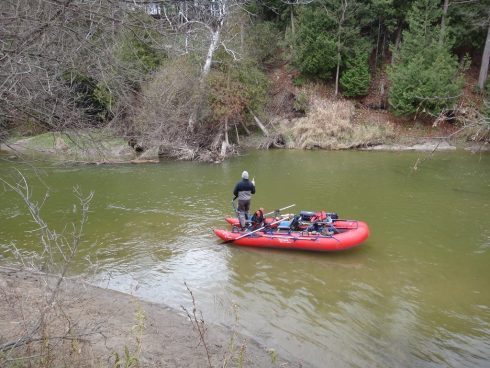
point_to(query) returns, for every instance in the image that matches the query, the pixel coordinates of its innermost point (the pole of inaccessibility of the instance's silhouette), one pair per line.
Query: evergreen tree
(424, 77)
(328, 33)
(314, 53)
(355, 80)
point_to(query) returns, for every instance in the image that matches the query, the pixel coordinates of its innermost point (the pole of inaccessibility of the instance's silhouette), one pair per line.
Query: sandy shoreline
(109, 322)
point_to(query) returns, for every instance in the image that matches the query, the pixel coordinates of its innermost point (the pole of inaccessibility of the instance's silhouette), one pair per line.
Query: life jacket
(319, 216)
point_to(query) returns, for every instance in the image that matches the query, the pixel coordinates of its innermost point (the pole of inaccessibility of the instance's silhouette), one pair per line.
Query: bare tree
(52, 51)
(205, 17)
(52, 263)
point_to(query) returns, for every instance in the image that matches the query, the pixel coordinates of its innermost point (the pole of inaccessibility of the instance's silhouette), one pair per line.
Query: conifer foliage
(425, 76)
(355, 80)
(315, 49)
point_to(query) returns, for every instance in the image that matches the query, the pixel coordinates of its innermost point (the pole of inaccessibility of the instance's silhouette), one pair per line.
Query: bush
(301, 102)
(299, 81)
(315, 57)
(236, 86)
(167, 102)
(93, 97)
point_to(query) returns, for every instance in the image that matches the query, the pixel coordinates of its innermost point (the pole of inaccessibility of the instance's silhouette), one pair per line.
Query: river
(415, 294)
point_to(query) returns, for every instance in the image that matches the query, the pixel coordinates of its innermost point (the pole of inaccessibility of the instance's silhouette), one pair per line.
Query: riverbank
(92, 327)
(97, 147)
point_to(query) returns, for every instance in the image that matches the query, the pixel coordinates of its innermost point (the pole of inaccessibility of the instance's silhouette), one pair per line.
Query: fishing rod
(279, 210)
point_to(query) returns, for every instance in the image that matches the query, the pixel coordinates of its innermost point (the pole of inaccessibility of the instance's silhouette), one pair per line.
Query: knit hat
(245, 175)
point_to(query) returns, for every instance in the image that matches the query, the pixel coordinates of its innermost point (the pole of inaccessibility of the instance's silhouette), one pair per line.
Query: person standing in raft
(243, 191)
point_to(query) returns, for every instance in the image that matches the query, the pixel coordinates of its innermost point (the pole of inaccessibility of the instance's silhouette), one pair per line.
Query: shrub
(427, 83)
(301, 102)
(236, 86)
(90, 95)
(166, 103)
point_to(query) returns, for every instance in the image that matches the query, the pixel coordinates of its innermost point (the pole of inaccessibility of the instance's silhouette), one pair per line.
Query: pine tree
(328, 33)
(355, 80)
(314, 53)
(424, 77)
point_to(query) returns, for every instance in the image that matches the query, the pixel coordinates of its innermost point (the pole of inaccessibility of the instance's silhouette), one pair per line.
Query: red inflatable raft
(350, 234)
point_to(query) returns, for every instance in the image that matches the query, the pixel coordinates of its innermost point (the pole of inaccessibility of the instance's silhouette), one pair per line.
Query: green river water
(415, 294)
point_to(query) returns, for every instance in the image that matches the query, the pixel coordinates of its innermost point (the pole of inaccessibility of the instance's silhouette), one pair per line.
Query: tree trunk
(443, 21)
(213, 45)
(292, 18)
(337, 75)
(259, 124)
(245, 128)
(339, 56)
(484, 61)
(226, 143)
(237, 135)
(242, 37)
(397, 42)
(215, 37)
(226, 132)
(383, 47)
(377, 46)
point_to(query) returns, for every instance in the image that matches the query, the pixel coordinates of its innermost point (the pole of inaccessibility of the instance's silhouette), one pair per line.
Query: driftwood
(244, 127)
(274, 141)
(237, 135)
(144, 161)
(259, 124)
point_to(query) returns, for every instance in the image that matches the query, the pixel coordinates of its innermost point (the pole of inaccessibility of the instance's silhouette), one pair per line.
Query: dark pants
(243, 208)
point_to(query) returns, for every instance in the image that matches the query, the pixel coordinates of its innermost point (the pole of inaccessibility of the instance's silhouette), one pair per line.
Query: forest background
(196, 79)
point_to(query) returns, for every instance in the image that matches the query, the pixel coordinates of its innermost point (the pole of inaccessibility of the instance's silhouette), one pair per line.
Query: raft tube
(352, 233)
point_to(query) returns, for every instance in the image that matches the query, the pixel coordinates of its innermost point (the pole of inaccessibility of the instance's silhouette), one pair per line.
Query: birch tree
(201, 24)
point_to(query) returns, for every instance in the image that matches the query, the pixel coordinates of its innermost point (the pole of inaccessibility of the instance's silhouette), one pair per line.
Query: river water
(415, 294)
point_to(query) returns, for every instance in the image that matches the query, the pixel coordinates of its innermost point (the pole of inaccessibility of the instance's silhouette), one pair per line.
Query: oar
(261, 228)
(279, 210)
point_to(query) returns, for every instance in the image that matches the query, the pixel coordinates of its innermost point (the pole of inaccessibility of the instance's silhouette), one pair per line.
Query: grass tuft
(329, 125)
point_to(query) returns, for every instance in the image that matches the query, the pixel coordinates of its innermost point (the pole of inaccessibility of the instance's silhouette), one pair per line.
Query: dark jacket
(244, 190)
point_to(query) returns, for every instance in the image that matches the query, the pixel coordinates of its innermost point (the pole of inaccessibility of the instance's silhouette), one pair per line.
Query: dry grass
(330, 125)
